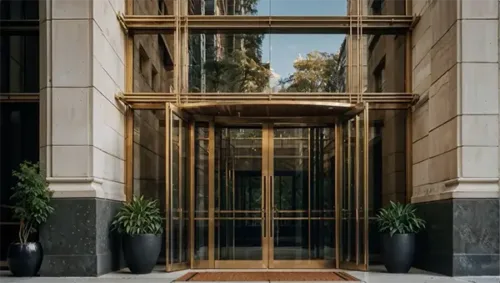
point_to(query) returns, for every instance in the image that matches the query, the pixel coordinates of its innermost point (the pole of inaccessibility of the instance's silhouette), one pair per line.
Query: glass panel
(384, 63)
(201, 192)
(360, 189)
(238, 194)
(306, 62)
(19, 9)
(149, 158)
(304, 194)
(348, 201)
(19, 67)
(153, 66)
(322, 197)
(179, 191)
(228, 62)
(387, 182)
(382, 7)
(19, 128)
(154, 7)
(269, 7)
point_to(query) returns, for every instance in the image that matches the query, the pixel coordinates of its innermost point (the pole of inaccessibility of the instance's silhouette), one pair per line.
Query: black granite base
(77, 239)
(462, 237)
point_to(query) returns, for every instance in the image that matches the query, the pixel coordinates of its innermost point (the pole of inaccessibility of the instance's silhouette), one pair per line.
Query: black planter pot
(398, 252)
(141, 252)
(24, 260)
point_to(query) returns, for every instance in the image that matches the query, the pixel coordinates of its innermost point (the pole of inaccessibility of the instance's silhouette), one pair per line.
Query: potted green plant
(398, 224)
(141, 226)
(31, 207)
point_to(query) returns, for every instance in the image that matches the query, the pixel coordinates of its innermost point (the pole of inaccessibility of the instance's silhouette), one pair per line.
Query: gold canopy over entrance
(269, 109)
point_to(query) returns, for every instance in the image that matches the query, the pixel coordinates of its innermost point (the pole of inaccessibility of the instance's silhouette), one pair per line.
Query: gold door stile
(181, 188)
(168, 165)
(366, 184)
(309, 159)
(129, 153)
(211, 195)
(191, 158)
(265, 196)
(270, 194)
(338, 186)
(357, 185)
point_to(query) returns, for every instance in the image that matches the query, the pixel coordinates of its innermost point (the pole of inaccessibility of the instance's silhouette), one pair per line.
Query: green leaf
(31, 197)
(140, 216)
(399, 218)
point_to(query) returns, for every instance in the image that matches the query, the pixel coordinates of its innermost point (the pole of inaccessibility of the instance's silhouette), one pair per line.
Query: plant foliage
(140, 216)
(399, 218)
(31, 199)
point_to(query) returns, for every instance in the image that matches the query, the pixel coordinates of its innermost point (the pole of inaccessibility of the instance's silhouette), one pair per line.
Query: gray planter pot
(141, 252)
(398, 252)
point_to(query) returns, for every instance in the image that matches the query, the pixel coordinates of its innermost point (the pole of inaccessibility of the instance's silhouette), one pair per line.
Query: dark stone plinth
(77, 239)
(462, 237)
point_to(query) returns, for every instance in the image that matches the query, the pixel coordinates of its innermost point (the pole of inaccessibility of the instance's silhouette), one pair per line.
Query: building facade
(258, 158)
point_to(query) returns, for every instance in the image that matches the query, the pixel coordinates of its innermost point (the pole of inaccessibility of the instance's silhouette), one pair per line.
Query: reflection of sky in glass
(282, 49)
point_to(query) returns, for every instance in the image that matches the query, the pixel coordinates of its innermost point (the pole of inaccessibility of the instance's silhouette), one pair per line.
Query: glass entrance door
(353, 191)
(278, 196)
(239, 213)
(301, 206)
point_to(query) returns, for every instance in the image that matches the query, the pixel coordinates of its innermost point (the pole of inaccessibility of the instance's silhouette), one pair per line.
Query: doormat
(265, 276)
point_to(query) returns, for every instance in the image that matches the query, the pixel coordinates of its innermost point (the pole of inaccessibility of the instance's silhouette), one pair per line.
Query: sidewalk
(158, 276)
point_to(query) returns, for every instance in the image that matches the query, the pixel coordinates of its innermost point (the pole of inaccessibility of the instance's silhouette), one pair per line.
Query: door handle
(271, 186)
(264, 206)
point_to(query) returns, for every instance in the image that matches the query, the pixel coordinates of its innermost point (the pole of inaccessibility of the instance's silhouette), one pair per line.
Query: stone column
(81, 133)
(455, 135)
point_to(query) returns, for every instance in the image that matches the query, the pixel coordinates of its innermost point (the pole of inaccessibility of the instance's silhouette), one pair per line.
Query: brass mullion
(180, 165)
(338, 186)
(168, 185)
(309, 192)
(211, 196)
(366, 183)
(357, 185)
(192, 207)
(129, 153)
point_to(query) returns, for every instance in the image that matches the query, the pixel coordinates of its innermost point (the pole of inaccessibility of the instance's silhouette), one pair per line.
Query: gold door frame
(178, 213)
(270, 209)
(361, 188)
(267, 214)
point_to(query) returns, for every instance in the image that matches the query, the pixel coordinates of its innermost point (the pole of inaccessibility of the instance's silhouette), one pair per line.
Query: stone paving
(376, 275)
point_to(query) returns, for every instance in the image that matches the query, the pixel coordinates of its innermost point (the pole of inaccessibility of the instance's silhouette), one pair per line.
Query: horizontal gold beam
(19, 97)
(270, 24)
(187, 98)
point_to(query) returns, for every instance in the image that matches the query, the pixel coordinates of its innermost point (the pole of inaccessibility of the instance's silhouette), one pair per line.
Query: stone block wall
(455, 135)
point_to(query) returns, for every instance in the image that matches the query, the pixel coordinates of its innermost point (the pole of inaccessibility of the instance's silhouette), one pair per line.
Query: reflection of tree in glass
(239, 68)
(317, 72)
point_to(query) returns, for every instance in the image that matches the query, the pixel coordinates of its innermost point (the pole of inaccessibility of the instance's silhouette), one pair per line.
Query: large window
(19, 113)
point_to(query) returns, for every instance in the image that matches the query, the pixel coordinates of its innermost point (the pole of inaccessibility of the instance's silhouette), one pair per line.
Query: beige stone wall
(455, 127)
(82, 124)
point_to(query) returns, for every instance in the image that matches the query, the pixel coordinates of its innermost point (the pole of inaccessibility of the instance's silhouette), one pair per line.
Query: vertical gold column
(180, 185)
(309, 176)
(177, 48)
(357, 184)
(409, 114)
(168, 184)
(129, 153)
(366, 182)
(191, 158)
(129, 113)
(338, 184)
(211, 194)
